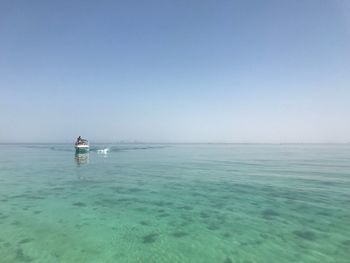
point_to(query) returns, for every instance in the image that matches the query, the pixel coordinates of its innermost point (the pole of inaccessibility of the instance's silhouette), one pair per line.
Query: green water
(175, 203)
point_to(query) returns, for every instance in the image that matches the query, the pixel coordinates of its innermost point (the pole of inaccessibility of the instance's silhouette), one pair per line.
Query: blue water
(175, 203)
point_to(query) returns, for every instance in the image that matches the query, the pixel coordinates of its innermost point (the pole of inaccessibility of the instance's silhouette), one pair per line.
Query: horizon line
(145, 142)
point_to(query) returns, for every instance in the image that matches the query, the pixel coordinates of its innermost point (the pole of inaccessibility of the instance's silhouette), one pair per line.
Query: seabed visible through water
(226, 203)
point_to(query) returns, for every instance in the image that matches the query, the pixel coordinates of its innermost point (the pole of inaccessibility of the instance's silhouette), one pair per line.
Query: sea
(205, 203)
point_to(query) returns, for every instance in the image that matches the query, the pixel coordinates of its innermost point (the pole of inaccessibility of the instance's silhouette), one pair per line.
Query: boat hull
(81, 148)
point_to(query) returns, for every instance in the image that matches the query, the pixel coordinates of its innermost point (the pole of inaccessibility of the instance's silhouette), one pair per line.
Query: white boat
(82, 145)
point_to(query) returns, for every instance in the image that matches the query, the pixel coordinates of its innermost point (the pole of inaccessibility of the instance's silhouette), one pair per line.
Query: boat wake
(103, 151)
(122, 148)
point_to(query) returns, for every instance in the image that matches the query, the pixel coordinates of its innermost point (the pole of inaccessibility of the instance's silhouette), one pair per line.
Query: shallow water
(175, 203)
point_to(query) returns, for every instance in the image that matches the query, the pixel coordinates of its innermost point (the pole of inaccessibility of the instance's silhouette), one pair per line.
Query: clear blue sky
(175, 71)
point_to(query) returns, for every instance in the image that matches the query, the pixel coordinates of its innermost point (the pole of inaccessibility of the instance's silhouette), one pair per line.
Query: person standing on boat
(78, 140)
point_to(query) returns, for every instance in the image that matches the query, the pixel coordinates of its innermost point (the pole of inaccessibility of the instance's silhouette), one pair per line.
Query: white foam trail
(103, 151)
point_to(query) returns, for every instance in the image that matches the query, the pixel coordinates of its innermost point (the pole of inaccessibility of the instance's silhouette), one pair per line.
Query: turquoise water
(223, 203)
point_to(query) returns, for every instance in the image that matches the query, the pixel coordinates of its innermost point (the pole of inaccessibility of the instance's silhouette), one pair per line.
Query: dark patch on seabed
(16, 223)
(58, 188)
(269, 214)
(226, 235)
(20, 256)
(179, 234)
(3, 216)
(213, 226)
(323, 213)
(118, 189)
(27, 196)
(145, 223)
(34, 197)
(134, 190)
(204, 215)
(346, 242)
(25, 240)
(150, 238)
(163, 215)
(161, 203)
(186, 207)
(80, 204)
(308, 235)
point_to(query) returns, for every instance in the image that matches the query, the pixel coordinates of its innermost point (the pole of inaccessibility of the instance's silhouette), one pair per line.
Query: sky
(272, 71)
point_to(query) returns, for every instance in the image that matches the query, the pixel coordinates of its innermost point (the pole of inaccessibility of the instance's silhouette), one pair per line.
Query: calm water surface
(175, 203)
